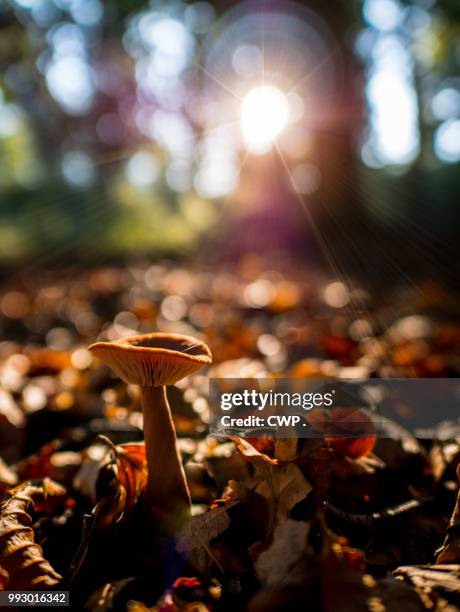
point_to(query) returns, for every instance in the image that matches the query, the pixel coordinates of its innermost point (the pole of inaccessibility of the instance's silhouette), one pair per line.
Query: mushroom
(154, 361)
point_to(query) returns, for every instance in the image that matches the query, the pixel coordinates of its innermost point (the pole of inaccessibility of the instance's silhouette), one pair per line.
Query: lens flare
(264, 114)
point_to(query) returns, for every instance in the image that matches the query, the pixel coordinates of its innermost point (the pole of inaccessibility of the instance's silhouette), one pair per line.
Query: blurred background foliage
(105, 150)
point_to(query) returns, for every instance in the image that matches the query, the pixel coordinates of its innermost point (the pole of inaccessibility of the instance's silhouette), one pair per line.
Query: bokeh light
(162, 116)
(447, 141)
(264, 114)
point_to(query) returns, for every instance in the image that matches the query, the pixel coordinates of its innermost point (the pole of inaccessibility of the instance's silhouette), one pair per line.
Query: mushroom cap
(155, 359)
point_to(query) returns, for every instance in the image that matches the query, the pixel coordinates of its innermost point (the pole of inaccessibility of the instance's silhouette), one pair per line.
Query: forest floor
(276, 524)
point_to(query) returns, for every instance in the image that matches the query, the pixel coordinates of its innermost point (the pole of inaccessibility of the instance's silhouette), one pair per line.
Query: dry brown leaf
(20, 556)
(286, 449)
(194, 542)
(443, 455)
(207, 526)
(275, 564)
(282, 484)
(131, 466)
(250, 452)
(236, 491)
(433, 582)
(132, 471)
(284, 488)
(261, 462)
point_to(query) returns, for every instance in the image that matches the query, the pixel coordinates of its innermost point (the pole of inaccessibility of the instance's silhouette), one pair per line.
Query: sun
(264, 114)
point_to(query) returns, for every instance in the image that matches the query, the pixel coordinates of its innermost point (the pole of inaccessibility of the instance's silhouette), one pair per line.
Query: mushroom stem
(166, 486)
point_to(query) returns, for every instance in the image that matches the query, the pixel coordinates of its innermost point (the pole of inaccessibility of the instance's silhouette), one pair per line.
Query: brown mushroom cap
(153, 360)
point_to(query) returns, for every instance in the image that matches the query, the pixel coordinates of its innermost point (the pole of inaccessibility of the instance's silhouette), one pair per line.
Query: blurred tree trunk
(339, 209)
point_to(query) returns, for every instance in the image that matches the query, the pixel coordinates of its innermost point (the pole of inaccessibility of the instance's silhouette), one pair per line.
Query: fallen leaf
(275, 564)
(131, 466)
(250, 452)
(286, 449)
(282, 484)
(194, 541)
(284, 489)
(436, 583)
(20, 555)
